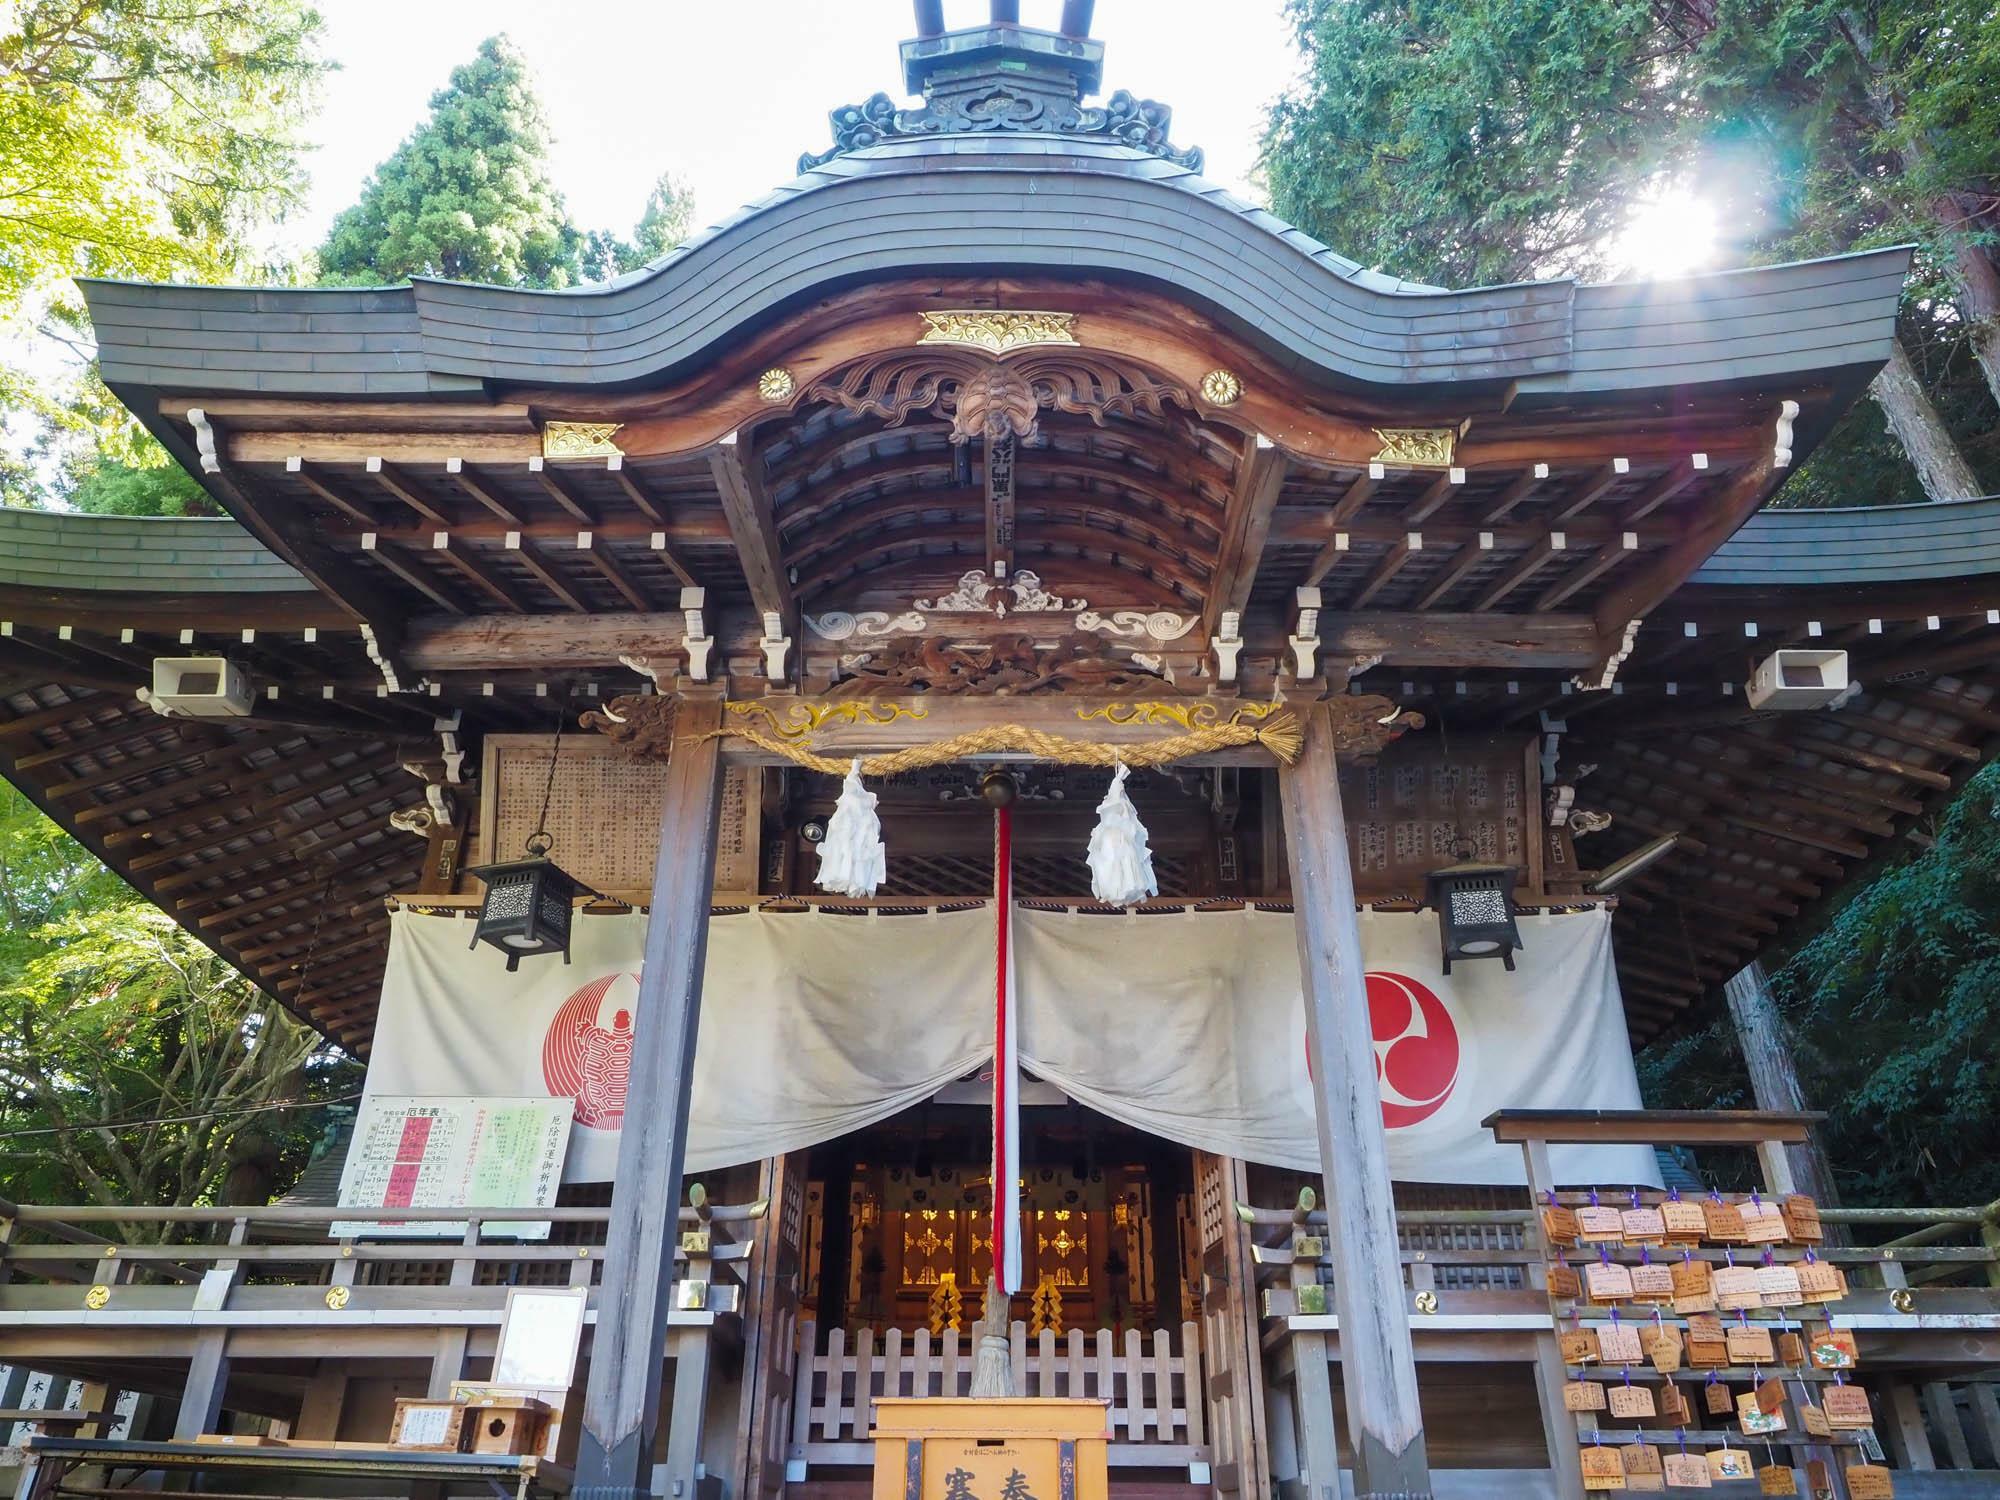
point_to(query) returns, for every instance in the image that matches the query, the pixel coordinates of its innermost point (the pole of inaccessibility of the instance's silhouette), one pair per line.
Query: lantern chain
(541, 835)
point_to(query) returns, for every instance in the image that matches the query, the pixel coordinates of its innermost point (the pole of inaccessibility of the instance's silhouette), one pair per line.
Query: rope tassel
(1121, 858)
(852, 861)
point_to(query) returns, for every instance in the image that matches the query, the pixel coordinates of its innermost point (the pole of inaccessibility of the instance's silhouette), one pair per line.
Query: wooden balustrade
(1152, 1382)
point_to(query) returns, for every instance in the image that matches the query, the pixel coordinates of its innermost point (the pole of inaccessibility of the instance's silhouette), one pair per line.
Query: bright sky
(728, 95)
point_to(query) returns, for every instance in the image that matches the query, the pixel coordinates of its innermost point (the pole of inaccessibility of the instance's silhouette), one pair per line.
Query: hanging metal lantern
(529, 905)
(530, 902)
(1475, 907)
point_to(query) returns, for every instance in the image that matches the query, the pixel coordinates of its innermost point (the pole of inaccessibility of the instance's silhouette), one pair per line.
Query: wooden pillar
(1377, 1360)
(1774, 1075)
(622, 1402)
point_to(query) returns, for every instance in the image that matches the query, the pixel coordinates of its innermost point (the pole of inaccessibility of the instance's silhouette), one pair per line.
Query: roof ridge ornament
(1005, 78)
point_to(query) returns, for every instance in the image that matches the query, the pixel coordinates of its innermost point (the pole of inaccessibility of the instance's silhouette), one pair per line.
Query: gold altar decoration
(998, 332)
(1424, 447)
(580, 440)
(336, 1298)
(1222, 388)
(776, 383)
(643, 725)
(97, 1297)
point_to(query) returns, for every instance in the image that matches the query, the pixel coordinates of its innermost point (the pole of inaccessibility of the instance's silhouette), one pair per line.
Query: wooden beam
(1724, 514)
(1434, 498)
(642, 502)
(355, 510)
(1504, 504)
(1352, 499)
(506, 511)
(404, 489)
(1260, 477)
(1678, 477)
(1385, 572)
(621, 1403)
(1470, 555)
(479, 573)
(535, 563)
(562, 494)
(748, 511)
(1531, 562)
(393, 559)
(1385, 1425)
(1609, 556)
(1588, 493)
(621, 580)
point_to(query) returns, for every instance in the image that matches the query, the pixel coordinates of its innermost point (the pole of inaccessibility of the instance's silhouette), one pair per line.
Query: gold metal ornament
(336, 1297)
(998, 332)
(776, 384)
(1903, 1300)
(97, 1297)
(580, 440)
(794, 720)
(1190, 715)
(1420, 447)
(1222, 388)
(1427, 1302)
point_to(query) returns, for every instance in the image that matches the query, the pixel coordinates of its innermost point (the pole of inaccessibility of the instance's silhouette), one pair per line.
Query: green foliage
(111, 1017)
(1894, 1010)
(1471, 143)
(112, 487)
(466, 196)
(1504, 139)
(146, 139)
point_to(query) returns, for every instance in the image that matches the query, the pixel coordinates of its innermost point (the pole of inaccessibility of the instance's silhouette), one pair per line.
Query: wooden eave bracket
(1304, 634)
(1227, 644)
(697, 640)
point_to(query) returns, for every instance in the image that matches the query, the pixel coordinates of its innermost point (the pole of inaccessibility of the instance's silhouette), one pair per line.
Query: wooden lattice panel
(604, 813)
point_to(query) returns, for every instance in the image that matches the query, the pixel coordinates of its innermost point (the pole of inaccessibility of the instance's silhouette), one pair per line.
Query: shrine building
(1024, 722)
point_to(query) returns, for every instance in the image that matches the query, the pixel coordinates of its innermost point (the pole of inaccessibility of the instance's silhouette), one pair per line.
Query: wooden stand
(1016, 1448)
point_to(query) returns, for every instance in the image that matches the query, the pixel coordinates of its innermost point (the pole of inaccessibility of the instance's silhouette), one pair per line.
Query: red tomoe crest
(1416, 1048)
(584, 1060)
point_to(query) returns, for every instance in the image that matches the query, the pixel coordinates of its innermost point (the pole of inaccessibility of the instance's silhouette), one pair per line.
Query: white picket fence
(1151, 1380)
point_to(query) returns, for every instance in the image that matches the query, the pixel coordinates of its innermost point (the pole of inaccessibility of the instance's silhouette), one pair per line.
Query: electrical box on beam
(1793, 679)
(198, 687)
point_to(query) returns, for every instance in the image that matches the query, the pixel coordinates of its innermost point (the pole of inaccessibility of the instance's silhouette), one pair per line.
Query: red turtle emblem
(588, 1062)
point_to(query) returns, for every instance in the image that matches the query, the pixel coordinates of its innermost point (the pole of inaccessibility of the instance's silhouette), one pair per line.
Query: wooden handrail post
(208, 1367)
(622, 1402)
(1378, 1367)
(1989, 1236)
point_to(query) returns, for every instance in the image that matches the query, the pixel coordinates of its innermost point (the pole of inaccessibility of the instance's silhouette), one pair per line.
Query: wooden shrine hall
(995, 487)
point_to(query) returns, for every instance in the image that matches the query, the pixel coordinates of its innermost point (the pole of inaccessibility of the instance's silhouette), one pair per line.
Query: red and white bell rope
(1006, 1066)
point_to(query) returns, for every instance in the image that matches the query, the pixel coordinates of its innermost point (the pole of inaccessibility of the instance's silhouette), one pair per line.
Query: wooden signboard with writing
(1405, 813)
(1001, 1449)
(604, 812)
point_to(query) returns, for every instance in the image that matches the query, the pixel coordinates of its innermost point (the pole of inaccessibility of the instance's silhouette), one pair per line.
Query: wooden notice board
(604, 813)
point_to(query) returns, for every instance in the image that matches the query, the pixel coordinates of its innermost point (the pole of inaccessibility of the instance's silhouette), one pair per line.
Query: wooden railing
(1152, 1384)
(285, 1257)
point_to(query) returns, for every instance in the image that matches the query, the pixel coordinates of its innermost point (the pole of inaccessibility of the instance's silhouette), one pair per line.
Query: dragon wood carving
(1014, 667)
(994, 398)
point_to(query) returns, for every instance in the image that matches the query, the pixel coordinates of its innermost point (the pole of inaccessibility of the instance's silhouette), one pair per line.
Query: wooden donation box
(1013, 1448)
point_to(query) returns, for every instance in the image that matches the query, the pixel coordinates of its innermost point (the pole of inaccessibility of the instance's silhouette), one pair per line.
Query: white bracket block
(775, 646)
(698, 642)
(1228, 644)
